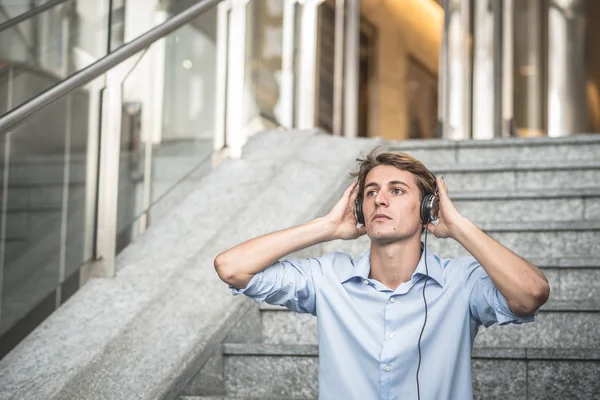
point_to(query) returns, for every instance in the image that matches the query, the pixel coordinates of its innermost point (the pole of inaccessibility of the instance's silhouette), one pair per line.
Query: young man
(397, 322)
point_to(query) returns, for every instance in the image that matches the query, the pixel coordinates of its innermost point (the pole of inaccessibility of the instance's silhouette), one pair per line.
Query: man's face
(391, 204)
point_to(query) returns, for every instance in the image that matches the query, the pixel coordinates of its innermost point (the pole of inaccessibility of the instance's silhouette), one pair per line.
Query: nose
(381, 199)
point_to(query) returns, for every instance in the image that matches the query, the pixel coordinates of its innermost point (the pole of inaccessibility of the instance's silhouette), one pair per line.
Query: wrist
(460, 229)
(327, 228)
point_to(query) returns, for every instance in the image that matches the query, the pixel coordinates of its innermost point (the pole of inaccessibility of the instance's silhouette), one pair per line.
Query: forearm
(237, 265)
(522, 284)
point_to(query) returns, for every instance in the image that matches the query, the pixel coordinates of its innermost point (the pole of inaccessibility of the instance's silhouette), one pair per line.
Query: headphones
(429, 207)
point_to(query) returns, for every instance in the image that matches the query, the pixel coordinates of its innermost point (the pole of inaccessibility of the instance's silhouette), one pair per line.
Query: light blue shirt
(368, 333)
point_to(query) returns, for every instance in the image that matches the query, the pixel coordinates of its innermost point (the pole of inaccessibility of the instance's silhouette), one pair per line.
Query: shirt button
(366, 282)
(391, 335)
(387, 368)
(393, 299)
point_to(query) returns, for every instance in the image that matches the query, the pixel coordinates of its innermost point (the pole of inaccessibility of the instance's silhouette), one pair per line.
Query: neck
(394, 263)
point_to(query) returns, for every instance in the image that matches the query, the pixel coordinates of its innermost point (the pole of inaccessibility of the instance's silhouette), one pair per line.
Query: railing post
(236, 68)
(308, 60)
(108, 186)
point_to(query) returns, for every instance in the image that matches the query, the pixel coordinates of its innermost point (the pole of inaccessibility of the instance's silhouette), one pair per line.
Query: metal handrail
(31, 13)
(78, 79)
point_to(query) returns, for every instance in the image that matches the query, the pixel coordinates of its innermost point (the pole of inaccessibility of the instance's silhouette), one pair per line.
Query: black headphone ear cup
(426, 209)
(360, 218)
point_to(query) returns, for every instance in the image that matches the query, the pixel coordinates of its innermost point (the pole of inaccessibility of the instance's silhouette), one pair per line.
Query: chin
(385, 237)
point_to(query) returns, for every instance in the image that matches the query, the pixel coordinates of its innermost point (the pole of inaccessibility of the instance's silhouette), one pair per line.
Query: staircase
(541, 198)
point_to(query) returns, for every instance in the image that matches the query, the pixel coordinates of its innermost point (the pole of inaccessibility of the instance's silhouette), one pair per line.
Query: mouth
(381, 217)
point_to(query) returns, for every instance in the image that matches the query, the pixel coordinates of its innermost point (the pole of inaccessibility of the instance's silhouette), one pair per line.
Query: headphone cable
(425, 321)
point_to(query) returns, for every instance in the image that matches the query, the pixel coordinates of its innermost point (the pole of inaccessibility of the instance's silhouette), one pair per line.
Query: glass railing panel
(264, 46)
(33, 163)
(56, 43)
(158, 153)
(44, 169)
(131, 175)
(189, 106)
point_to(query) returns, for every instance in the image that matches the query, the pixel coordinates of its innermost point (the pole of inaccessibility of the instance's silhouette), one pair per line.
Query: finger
(442, 187)
(350, 188)
(362, 230)
(354, 193)
(431, 228)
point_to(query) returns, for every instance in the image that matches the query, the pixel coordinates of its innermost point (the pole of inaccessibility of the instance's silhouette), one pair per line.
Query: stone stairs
(541, 198)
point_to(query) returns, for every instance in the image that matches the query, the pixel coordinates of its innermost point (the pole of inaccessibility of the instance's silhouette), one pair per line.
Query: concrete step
(503, 176)
(291, 371)
(444, 152)
(231, 398)
(529, 205)
(560, 324)
(564, 239)
(550, 240)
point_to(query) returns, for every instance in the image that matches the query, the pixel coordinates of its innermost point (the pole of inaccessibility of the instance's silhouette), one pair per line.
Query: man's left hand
(449, 217)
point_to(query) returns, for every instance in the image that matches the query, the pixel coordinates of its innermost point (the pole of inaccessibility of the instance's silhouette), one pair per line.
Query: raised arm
(239, 264)
(522, 284)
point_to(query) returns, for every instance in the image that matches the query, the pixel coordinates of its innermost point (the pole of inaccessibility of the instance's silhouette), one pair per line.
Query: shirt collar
(362, 267)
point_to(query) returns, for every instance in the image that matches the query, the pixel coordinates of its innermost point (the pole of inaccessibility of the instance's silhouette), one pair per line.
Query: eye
(397, 191)
(370, 193)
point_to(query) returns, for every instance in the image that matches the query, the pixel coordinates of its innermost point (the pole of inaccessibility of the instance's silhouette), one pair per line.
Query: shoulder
(461, 269)
(341, 266)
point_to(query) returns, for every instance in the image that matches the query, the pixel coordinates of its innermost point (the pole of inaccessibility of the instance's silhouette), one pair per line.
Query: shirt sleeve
(487, 305)
(288, 283)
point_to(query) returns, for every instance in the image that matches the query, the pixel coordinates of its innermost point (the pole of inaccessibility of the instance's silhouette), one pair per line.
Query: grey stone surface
(512, 177)
(499, 379)
(566, 354)
(491, 353)
(563, 380)
(561, 178)
(249, 329)
(580, 147)
(431, 157)
(531, 244)
(267, 376)
(470, 181)
(270, 349)
(521, 210)
(550, 330)
(567, 262)
(209, 381)
(578, 284)
(570, 305)
(522, 152)
(591, 208)
(289, 327)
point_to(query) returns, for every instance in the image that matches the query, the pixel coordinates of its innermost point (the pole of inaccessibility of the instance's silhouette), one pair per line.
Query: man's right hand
(343, 218)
